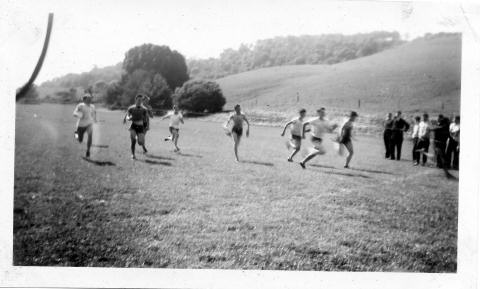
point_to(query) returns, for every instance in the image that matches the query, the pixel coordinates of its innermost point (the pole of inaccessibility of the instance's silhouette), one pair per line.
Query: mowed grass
(199, 209)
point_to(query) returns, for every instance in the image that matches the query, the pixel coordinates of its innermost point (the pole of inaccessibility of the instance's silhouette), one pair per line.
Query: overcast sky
(87, 33)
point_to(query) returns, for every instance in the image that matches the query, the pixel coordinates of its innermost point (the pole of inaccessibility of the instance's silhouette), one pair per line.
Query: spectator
(453, 144)
(415, 140)
(387, 134)
(398, 127)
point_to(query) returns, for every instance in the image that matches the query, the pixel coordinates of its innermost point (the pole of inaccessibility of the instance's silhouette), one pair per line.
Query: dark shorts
(81, 131)
(173, 130)
(237, 130)
(345, 140)
(315, 139)
(296, 137)
(139, 129)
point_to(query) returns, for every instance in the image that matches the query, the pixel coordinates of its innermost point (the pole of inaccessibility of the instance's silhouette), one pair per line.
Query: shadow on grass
(190, 155)
(152, 162)
(100, 146)
(371, 171)
(99, 163)
(346, 174)
(159, 157)
(258, 163)
(353, 169)
(323, 166)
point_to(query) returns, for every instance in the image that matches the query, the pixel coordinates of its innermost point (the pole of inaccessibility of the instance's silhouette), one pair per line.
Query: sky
(98, 33)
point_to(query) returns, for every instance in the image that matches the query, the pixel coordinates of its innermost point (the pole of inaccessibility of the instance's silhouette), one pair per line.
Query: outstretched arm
(303, 128)
(76, 111)
(127, 116)
(228, 121)
(94, 115)
(285, 127)
(248, 125)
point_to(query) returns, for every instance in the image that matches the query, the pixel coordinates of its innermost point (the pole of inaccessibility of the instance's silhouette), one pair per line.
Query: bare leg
(349, 147)
(236, 143)
(176, 135)
(295, 151)
(133, 141)
(89, 140)
(309, 157)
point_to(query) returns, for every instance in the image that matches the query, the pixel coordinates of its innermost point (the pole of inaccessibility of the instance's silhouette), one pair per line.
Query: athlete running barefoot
(346, 137)
(87, 116)
(176, 118)
(138, 115)
(296, 131)
(237, 130)
(319, 126)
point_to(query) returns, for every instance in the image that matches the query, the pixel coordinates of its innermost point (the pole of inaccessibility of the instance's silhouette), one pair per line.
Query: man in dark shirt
(440, 137)
(399, 125)
(138, 115)
(387, 134)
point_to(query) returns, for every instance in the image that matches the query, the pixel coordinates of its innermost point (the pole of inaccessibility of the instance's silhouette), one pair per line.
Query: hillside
(415, 77)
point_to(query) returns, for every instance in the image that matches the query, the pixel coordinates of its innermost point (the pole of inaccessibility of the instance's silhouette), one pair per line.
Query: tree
(157, 59)
(200, 96)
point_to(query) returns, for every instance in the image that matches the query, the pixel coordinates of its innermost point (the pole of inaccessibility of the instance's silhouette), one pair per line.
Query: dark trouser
(396, 143)
(440, 153)
(387, 135)
(415, 153)
(423, 144)
(81, 130)
(452, 149)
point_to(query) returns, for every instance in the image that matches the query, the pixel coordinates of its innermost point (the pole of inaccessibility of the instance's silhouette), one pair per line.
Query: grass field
(199, 209)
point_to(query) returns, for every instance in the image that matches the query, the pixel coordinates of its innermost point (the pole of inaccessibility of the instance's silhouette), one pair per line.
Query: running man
(87, 116)
(176, 118)
(346, 136)
(319, 126)
(237, 130)
(138, 115)
(296, 131)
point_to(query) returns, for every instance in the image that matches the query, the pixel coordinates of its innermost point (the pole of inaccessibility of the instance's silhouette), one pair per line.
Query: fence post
(359, 103)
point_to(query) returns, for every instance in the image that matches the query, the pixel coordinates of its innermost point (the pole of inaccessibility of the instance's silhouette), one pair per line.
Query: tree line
(152, 70)
(293, 50)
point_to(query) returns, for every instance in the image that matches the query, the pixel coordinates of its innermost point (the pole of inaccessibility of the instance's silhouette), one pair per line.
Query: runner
(87, 116)
(176, 118)
(146, 104)
(237, 130)
(346, 136)
(319, 126)
(296, 130)
(138, 115)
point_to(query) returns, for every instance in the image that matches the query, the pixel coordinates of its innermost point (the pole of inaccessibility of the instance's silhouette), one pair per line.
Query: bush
(200, 96)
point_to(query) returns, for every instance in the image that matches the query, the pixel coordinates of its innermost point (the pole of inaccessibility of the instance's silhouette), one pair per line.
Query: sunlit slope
(421, 75)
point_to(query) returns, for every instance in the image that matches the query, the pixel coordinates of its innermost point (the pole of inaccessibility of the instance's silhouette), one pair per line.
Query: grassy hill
(415, 77)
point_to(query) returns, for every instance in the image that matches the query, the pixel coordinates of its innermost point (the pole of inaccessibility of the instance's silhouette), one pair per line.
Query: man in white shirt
(415, 140)
(176, 118)
(87, 116)
(453, 145)
(423, 139)
(296, 130)
(319, 126)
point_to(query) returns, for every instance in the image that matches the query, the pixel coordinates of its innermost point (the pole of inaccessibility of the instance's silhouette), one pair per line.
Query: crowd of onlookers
(441, 134)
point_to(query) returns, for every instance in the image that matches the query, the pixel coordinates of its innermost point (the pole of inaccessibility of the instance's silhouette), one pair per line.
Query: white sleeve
(77, 110)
